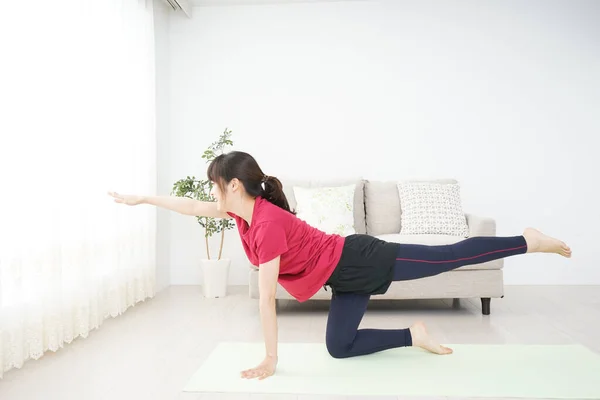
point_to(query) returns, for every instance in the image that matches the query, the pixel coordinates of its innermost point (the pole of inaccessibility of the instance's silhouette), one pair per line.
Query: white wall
(161, 48)
(500, 95)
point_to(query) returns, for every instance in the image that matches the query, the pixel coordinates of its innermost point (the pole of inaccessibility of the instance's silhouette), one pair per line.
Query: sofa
(377, 211)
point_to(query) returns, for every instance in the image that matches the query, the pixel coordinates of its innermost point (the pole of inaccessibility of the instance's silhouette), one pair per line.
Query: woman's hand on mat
(130, 200)
(263, 370)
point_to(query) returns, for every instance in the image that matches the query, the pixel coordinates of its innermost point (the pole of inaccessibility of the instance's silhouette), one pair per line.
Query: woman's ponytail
(273, 192)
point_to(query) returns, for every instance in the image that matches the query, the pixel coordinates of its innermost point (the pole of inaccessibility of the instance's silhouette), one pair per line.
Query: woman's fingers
(247, 373)
(253, 373)
(117, 197)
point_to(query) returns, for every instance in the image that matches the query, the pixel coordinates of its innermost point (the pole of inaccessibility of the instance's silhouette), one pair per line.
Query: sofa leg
(485, 305)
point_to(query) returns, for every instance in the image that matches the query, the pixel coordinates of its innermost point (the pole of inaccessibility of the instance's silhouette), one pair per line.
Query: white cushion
(431, 208)
(359, 200)
(330, 209)
(382, 205)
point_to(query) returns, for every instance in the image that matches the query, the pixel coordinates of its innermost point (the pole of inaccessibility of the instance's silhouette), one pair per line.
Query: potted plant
(215, 272)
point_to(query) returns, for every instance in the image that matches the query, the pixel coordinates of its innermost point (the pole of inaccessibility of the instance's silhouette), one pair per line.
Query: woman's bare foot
(420, 338)
(537, 242)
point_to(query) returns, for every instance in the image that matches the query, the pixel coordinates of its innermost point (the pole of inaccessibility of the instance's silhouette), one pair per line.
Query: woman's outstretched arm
(181, 205)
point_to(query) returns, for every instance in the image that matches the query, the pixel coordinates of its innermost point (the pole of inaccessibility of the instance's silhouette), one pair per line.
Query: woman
(303, 259)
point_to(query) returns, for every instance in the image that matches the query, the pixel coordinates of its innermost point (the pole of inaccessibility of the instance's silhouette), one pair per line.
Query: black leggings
(343, 337)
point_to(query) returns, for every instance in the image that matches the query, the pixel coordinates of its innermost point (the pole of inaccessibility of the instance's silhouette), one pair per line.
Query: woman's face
(217, 194)
(223, 199)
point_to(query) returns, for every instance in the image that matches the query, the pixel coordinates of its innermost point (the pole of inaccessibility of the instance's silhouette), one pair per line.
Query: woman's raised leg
(416, 261)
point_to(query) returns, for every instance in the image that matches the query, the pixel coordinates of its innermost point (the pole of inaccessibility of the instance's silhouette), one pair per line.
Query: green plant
(199, 189)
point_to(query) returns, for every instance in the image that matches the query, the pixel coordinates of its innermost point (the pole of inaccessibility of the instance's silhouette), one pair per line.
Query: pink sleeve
(270, 241)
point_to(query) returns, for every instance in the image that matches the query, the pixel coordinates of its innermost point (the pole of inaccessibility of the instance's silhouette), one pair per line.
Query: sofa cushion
(459, 284)
(358, 206)
(432, 208)
(420, 239)
(329, 209)
(436, 240)
(382, 206)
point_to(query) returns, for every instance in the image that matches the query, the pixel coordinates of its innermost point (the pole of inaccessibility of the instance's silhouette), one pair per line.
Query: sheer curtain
(78, 120)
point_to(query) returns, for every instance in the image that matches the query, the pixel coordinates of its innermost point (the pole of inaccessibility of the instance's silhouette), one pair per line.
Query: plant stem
(221, 245)
(207, 249)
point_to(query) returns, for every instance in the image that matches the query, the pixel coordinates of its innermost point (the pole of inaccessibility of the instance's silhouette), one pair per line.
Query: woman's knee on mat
(337, 348)
(339, 341)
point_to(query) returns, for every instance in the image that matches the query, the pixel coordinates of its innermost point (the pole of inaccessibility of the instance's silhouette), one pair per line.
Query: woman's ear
(234, 185)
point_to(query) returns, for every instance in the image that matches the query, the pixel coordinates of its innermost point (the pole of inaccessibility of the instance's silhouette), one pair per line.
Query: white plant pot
(215, 275)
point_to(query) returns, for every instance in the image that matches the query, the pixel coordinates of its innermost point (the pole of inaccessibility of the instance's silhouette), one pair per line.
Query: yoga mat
(526, 371)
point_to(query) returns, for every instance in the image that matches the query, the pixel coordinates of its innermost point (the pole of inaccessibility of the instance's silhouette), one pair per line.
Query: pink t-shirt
(308, 255)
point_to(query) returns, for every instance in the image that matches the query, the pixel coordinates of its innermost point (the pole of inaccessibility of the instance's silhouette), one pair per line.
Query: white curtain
(78, 107)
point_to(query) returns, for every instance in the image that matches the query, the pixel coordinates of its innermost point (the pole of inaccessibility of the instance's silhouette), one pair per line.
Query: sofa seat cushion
(429, 239)
(435, 240)
(461, 284)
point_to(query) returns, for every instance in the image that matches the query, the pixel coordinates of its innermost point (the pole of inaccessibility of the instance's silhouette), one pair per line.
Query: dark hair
(240, 165)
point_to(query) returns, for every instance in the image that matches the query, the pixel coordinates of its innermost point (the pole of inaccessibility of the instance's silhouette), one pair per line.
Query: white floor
(151, 351)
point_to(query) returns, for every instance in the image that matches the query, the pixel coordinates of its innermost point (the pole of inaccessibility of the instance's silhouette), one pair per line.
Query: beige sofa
(377, 212)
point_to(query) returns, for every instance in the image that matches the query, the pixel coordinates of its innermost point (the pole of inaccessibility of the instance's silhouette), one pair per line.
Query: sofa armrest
(253, 283)
(480, 226)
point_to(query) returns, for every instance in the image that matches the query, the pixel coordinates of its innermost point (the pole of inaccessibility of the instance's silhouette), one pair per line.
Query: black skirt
(365, 267)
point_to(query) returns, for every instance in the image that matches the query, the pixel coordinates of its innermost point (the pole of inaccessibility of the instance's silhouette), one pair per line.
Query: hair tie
(265, 178)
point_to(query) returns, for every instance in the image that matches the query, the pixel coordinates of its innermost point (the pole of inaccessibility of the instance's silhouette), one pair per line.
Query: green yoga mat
(526, 371)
